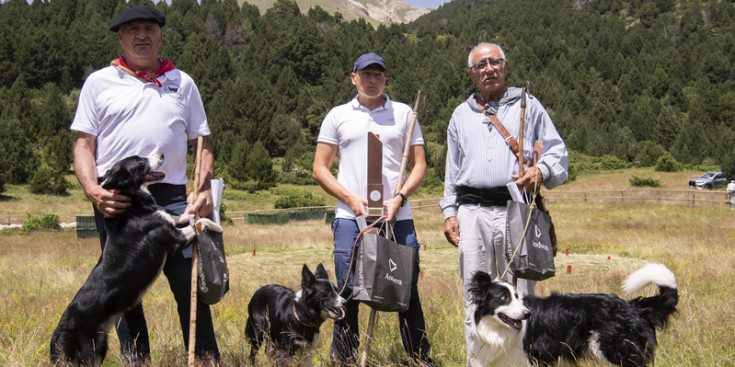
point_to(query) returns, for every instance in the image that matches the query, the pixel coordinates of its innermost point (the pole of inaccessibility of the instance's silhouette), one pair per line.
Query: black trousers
(132, 329)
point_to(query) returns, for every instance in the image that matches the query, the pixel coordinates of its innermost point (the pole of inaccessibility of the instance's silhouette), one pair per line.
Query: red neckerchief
(166, 65)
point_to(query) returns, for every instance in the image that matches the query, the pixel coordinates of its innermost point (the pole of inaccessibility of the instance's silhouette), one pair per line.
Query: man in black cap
(140, 105)
(344, 131)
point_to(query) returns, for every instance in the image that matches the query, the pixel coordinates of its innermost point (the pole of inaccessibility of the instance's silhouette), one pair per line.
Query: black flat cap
(138, 12)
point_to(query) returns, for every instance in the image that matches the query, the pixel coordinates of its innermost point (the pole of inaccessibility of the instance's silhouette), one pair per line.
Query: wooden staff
(521, 133)
(521, 158)
(402, 170)
(194, 258)
(409, 136)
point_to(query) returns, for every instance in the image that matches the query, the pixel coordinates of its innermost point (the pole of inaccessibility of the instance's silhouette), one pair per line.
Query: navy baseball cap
(138, 12)
(368, 59)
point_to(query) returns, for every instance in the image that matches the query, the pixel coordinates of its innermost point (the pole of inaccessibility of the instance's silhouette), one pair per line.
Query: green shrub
(49, 181)
(667, 163)
(432, 184)
(648, 153)
(47, 221)
(644, 181)
(223, 218)
(250, 186)
(298, 200)
(611, 162)
(584, 163)
(572, 173)
(296, 176)
(728, 164)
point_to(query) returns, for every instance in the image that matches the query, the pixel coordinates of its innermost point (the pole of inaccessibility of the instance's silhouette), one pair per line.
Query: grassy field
(41, 272)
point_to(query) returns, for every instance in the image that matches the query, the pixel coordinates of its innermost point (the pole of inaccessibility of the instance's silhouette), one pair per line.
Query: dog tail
(658, 308)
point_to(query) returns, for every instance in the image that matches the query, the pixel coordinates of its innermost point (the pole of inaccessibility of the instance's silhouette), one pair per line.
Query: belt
(484, 205)
(492, 197)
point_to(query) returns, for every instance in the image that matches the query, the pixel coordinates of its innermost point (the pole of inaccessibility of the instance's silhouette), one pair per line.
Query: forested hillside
(625, 81)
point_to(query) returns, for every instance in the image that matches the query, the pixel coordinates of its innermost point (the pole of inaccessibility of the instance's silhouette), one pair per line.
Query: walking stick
(402, 170)
(194, 259)
(521, 133)
(521, 158)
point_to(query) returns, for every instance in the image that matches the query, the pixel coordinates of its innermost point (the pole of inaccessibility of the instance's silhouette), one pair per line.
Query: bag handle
(357, 240)
(531, 204)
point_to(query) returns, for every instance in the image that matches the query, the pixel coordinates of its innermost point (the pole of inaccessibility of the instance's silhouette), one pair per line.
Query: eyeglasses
(494, 63)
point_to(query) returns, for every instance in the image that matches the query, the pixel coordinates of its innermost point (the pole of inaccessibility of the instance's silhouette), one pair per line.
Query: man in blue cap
(344, 132)
(139, 105)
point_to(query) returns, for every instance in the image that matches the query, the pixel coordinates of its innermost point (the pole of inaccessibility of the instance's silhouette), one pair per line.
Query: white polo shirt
(130, 117)
(347, 126)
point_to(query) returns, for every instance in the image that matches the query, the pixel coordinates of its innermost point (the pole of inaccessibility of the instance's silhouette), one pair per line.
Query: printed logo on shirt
(172, 88)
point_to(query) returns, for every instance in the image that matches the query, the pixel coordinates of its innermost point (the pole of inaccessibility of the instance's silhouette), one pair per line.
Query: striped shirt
(479, 157)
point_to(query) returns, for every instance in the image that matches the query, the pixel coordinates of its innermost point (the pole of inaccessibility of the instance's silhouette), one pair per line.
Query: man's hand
(109, 203)
(203, 205)
(358, 206)
(531, 180)
(451, 231)
(392, 206)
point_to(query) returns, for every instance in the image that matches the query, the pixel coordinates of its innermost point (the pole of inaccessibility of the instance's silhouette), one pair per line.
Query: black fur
(138, 243)
(570, 327)
(273, 310)
(562, 324)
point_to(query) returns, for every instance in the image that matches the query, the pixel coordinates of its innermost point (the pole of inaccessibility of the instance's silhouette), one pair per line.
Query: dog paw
(184, 219)
(205, 224)
(189, 232)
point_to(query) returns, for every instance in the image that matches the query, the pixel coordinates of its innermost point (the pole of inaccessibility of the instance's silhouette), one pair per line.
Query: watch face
(375, 195)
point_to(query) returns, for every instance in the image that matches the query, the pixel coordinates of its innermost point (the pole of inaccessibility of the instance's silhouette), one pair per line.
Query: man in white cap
(344, 132)
(140, 105)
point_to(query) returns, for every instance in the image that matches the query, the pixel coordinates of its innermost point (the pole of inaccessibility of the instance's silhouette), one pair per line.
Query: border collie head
(318, 292)
(131, 173)
(497, 302)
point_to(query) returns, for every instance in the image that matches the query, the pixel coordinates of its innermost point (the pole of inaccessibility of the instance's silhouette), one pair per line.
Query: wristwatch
(403, 199)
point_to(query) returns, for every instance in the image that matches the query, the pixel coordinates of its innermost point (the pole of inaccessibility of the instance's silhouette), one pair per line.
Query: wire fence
(642, 196)
(632, 196)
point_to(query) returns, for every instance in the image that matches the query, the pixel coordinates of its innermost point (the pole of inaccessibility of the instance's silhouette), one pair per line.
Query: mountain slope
(374, 11)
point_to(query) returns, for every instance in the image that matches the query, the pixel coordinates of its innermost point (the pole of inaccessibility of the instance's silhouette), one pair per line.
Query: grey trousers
(481, 247)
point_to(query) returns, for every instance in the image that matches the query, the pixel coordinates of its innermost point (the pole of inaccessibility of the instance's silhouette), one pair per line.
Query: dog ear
(321, 273)
(117, 177)
(480, 281)
(307, 278)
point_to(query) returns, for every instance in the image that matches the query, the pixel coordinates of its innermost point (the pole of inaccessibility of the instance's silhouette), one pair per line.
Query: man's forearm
(85, 166)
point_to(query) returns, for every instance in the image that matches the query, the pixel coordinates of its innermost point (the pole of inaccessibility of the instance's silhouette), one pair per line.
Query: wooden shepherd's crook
(521, 133)
(404, 162)
(521, 158)
(194, 258)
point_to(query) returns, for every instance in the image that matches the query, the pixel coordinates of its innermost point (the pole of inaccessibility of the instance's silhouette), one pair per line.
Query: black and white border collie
(563, 328)
(139, 242)
(289, 321)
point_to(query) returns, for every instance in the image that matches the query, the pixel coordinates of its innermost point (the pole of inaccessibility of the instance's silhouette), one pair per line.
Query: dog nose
(526, 315)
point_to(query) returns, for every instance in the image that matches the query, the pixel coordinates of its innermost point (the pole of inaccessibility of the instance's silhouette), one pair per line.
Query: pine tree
(259, 167)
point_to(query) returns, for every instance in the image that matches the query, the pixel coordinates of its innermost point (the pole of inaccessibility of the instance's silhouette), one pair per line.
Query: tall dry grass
(42, 271)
